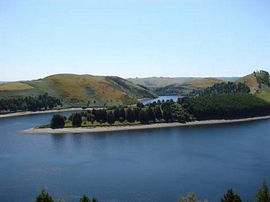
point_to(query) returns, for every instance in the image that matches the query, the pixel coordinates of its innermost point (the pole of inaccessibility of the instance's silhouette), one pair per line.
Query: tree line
(166, 111)
(29, 103)
(202, 107)
(45, 197)
(224, 87)
(225, 106)
(262, 195)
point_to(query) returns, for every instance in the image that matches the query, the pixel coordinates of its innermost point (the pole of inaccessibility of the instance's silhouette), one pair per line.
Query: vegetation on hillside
(229, 87)
(41, 102)
(79, 90)
(188, 87)
(159, 82)
(10, 86)
(258, 83)
(225, 106)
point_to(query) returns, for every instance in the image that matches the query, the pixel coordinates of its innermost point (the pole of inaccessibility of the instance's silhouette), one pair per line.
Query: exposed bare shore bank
(137, 127)
(40, 112)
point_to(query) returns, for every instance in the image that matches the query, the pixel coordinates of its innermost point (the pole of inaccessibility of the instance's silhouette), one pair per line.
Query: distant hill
(259, 84)
(158, 82)
(79, 90)
(187, 87)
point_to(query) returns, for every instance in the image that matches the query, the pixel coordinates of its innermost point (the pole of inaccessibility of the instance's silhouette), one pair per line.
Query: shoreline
(100, 129)
(14, 114)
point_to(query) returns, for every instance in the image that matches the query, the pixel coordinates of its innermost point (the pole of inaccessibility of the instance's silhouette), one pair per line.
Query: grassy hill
(259, 84)
(187, 87)
(79, 90)
(159, 82)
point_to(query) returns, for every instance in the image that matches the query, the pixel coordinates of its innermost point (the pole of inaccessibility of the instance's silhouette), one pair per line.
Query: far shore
(41, 112)
(100, 129)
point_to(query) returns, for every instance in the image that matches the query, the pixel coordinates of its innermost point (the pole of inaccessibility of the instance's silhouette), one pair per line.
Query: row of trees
(229, 87)
(225, 106)
(168, 111)
(45, 197)
(202, 107)
(30, 103)
(262, 195)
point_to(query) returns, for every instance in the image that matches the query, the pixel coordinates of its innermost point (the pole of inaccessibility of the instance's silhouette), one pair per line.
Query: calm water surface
(161, 98)
(151, 165)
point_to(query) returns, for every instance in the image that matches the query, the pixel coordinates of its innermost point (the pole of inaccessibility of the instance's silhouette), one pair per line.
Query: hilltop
(79, 90)
(259, 83)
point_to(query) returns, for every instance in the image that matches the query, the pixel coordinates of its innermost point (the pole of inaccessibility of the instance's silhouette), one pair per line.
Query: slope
(258, 83)
(80, 90)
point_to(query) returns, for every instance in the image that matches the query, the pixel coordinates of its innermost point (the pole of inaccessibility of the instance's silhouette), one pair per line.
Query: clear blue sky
(133, 38)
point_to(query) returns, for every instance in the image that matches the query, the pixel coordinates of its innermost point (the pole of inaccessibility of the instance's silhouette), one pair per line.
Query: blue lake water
(146, 165)
(161, 98)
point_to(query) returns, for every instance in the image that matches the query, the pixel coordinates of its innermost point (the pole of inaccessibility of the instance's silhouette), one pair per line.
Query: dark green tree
(130, 115)
(76, 120)
(116, 114)
(230, 196)
(158, 112)
(90, 117)
(111, 118)
(44, 197)
(263, 193)
(84, 198)
(143, 116)
(57, 121)
(151, 115)
(122, 115)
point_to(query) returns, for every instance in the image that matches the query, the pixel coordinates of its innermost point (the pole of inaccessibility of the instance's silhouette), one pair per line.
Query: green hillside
(79, 90)
(259, 84)
(187, 87)
(159, 82)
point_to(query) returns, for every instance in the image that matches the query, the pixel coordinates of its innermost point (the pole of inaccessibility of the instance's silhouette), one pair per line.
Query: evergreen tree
(76, 120)
(122, 115)
(158, 112)
(143, 117)
(230, 196)
(85, 199)
(44, 197)
(151, 115)
(130, 115)
(111, 118)
(116, 114)
(263, 193)
(57, 121)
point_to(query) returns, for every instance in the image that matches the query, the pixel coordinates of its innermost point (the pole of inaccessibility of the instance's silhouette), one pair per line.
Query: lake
(148, 165)
(161, 98)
